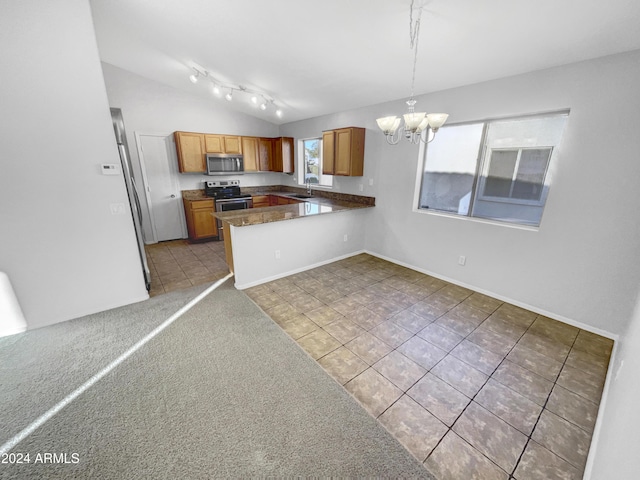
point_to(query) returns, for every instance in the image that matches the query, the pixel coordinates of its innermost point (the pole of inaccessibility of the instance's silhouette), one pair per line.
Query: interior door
(163, 190)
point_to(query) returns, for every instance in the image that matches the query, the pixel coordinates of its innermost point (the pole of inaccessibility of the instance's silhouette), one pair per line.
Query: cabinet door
(265, 154)
(288, 164)
(200, 221)
(276, 166)
(190, 149)
(328, 153)
(250, 153)
(342, 165)
(204, 223)
(260, 201)
(232, 144)
(214, 143)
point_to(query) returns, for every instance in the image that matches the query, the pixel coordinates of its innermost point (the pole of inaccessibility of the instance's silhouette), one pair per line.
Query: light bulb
(279, 113)
(194, 77)
(254, 100)
(216, 90)
(263, 106)
(229, 96)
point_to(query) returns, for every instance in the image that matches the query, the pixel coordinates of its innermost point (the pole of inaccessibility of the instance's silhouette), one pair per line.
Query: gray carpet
(222, 392)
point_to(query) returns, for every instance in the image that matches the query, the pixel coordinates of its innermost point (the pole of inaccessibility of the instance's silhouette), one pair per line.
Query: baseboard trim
(503, 298)
(244, 286)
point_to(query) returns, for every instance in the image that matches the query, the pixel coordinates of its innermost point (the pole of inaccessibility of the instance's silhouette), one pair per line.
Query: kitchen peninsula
(262, 244)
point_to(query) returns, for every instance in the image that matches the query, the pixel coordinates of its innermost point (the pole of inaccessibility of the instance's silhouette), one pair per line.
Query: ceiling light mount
(414, 122)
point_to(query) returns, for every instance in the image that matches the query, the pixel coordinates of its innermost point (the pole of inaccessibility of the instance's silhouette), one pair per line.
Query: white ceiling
(321, 56)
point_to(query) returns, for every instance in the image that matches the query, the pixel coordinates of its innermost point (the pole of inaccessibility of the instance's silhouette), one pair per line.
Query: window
(496, 169)
(311, 170)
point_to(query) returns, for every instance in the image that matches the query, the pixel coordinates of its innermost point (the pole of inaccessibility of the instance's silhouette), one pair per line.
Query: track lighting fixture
(256, 98)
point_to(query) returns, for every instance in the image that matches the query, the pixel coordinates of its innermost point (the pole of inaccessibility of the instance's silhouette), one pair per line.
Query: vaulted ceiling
(315, 57)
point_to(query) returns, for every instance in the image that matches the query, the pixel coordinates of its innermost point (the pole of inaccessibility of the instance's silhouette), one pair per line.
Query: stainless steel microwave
(224, 164)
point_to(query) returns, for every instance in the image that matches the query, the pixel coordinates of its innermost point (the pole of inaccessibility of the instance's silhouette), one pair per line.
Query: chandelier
(414, 122)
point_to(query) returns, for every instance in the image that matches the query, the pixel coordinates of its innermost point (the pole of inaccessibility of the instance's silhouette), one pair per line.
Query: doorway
(162, 188)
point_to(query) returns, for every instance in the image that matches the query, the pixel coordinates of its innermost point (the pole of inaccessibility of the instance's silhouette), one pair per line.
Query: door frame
(173, 170)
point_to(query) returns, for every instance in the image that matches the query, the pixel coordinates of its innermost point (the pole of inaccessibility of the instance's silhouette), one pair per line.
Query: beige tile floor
(471, 386)
(178, 264)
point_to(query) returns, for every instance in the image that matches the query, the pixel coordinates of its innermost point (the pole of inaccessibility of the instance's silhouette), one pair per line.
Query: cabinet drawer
(194, 204)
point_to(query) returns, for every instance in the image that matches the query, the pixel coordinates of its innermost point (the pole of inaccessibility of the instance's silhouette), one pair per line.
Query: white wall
(303, 243)
(151, 107)
(63, 250)
(581, 265)
(615, 455)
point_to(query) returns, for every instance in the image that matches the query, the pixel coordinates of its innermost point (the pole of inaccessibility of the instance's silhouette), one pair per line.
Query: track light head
(229, 95)
(194, 77)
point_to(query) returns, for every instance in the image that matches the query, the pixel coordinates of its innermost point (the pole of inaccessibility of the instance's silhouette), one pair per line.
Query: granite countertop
(320, 203)
(308, 208)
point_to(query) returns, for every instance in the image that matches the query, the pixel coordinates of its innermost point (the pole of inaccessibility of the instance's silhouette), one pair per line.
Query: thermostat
(109, 169)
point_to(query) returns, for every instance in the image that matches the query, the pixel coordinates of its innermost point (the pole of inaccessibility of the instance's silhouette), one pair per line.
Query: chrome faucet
(309, 186)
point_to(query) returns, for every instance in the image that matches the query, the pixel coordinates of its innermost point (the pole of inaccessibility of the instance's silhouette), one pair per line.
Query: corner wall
(153, 108)
(579, 266)
(64, 251)
(615, 455)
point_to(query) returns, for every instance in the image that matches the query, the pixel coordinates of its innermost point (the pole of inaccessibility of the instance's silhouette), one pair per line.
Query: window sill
(517, 226)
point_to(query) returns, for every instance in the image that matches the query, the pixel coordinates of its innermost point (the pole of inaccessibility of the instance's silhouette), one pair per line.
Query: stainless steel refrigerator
(132, 190)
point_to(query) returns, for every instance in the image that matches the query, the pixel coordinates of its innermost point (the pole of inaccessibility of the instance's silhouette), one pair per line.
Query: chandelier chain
(414, 34)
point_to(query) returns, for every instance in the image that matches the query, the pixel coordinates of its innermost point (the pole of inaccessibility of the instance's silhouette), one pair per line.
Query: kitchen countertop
(308, 208)
(322, 202)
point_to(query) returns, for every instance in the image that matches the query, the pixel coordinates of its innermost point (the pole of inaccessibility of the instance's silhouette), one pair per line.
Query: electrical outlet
(361, 187)
(277, 254)
(117, 209)
(346, 237)
(371, 182)
(462, 260)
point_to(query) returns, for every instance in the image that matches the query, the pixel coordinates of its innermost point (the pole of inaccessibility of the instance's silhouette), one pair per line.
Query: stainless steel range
(228, 197)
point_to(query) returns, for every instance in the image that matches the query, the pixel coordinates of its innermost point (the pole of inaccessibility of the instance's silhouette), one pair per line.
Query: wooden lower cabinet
(260, 201)
(201, 223)
(272, 200)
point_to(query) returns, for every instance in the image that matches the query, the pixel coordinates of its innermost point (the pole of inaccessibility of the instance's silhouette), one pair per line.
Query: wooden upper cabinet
(260, 154)
(190, 148)
(265, 154)
(343, 152)
(328, 152)
(283, 155)
(222, 143)
(250, 154)
(232, 144)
